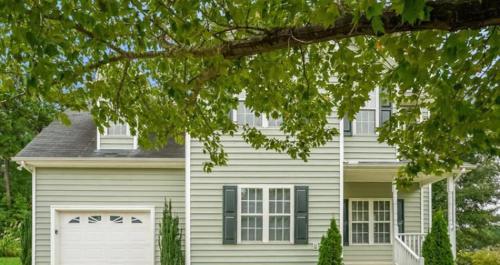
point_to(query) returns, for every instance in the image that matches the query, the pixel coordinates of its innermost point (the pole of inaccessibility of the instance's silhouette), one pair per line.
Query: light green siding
(381, 254)
(367, 148)
(247, 166)
(116, 142)
(72, 186)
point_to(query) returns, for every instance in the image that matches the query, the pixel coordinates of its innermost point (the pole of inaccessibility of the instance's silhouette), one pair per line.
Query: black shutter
(401, 215)
(301, 215)
(230, 209)
(347, 127)
(346, 222)
(385, 113)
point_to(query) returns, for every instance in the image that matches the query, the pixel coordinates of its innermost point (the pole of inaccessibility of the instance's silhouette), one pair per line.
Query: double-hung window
(265, 214)
(243, 115)
(370, 221)
(365, 122)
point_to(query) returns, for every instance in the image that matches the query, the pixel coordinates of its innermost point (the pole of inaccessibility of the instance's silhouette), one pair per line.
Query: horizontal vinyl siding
(103, 187)
(117, 142)
(249, 166)
(412, 209)
(381, 254)
(367, 148)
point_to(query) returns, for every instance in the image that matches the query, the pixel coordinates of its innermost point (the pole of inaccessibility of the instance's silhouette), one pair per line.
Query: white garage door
(104, 238)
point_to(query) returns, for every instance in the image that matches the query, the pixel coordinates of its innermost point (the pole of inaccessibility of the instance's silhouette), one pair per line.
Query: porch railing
(414, 241)
(404, 255)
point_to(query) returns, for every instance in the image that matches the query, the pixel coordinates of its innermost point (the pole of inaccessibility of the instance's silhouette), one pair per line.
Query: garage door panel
(105, 238)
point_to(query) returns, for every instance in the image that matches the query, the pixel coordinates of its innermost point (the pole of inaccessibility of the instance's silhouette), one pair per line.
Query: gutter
(99, 162)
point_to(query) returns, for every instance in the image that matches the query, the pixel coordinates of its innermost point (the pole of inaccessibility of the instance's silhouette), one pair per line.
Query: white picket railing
(414, 241)
(404, 255)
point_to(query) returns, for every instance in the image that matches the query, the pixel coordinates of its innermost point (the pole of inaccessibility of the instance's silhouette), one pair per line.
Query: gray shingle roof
(79, 140)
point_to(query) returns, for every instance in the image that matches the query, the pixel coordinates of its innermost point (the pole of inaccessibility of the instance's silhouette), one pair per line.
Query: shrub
(437, 246)
(170, 238)
(26, 240)
(10, 245)
(479, 257)
(330, 250)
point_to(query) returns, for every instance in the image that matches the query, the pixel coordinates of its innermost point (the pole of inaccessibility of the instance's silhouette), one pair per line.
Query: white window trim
(56, 209)
(265, 213)
(370, 221)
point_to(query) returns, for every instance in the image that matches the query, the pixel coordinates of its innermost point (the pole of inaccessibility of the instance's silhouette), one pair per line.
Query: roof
(79, 140)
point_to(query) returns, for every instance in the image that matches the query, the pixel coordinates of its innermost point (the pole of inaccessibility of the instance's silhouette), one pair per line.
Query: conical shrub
(170, 238)
(437, 247)
(330, 250)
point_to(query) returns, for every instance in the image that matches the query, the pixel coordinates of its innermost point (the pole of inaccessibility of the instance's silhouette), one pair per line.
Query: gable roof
(79, 140)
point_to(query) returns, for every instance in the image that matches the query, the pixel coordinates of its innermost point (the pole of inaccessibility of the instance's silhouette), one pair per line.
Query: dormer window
(116, 137)
(117, 129)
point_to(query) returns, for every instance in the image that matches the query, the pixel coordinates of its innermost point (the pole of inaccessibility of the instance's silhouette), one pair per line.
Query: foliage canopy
(171, 67)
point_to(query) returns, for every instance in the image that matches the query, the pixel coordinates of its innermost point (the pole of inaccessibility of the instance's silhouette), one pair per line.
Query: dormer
(117, 136)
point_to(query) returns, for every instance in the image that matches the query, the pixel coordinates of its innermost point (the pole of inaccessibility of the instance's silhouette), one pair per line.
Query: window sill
(265, 243)
(369, 245)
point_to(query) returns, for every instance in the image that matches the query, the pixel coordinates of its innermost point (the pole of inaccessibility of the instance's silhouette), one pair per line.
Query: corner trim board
(187, 170)
(33, 216)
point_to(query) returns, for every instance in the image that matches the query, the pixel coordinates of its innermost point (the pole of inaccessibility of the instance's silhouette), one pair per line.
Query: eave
(99, 162)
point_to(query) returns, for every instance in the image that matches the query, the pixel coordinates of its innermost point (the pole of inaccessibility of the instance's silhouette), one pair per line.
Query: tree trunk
(6, 177)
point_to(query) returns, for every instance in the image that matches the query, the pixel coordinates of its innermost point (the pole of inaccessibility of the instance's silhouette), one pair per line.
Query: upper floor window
(365, 122)
(245, 116)
(373, 114)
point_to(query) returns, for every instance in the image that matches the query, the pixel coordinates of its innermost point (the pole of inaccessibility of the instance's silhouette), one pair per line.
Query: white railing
(414, 241)
(404, 255)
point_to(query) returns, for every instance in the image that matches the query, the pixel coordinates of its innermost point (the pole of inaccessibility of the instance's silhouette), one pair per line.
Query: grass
(10, 261)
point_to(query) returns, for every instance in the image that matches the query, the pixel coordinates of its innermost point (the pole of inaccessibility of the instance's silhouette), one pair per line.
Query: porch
(384, 225)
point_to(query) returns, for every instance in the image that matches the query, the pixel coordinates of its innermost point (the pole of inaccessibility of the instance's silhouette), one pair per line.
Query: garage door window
(136, 220)
(94, 219)
(116, 219)
(75, 220)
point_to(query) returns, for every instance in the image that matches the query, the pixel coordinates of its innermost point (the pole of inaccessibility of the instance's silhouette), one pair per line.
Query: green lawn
(10, 261)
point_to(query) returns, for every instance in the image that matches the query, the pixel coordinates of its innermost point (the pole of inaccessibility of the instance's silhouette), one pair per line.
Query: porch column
(451, 215)
(394, 218)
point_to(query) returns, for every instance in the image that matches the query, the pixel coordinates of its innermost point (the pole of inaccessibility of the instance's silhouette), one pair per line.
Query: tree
(330, 249)
(21, 118)
(477, 204)
(436, 249)
(171, 67)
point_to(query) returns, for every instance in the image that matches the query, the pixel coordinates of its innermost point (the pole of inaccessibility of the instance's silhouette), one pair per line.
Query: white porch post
(451, 215)
(394, 219)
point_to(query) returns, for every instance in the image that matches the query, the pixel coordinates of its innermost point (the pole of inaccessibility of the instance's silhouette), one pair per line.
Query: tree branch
(445, 15)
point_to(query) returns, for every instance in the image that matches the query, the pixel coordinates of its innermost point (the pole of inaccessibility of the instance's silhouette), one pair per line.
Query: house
(98, 198)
